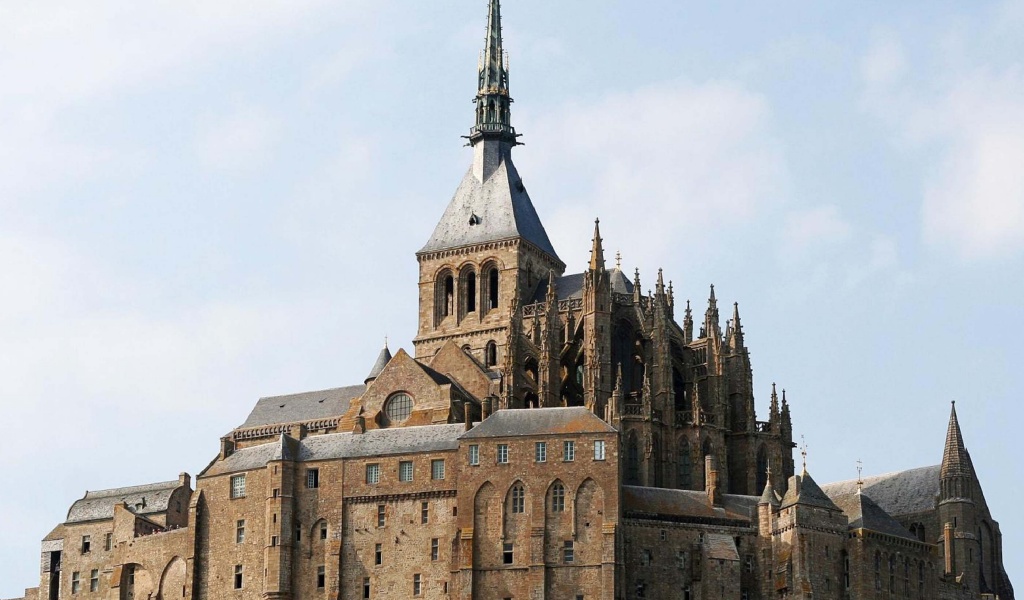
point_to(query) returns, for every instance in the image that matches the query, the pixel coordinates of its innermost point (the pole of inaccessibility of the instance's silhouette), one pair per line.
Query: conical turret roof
(955, 459)
(382, 361)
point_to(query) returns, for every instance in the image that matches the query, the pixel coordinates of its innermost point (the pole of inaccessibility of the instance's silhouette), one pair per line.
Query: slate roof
(100, 504)
(382, 361)
(804, 490)
(865, 514)
(686, 504)
(571, 286)
(375, 442)
(899, 493)
(539, 421)
(720, 546)
(501, 209)
(306, 406)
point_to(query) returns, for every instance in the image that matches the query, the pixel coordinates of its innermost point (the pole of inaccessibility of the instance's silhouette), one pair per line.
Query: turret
(688, 324)
(957, 509)
(596, 249)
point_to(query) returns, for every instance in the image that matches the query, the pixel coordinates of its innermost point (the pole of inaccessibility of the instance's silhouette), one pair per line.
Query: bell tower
(489, 252)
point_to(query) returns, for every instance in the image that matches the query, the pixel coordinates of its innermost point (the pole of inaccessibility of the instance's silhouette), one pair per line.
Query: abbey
(553, 435)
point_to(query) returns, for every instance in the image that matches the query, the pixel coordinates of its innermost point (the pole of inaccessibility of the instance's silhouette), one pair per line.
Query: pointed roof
(768, 495)
(597, 250)
(955, 459)
(900, 493)
(864, 513)
(382, 361)
(804, 490)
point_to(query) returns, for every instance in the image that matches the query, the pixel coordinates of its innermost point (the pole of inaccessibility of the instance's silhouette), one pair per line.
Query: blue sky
(202, 203)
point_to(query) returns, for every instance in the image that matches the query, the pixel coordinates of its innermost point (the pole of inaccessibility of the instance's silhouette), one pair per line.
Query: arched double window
(489, 283)
(491, 354)
(684, 465)
(517, 499)
(557, 503)
(445, 295)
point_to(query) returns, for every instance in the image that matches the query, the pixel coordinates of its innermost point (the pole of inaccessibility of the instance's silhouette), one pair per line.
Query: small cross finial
(803, 451)
(618, 260)
(860, 479)
(385, 340)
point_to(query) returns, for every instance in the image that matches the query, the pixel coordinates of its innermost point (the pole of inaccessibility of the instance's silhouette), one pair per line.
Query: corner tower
(489, 252)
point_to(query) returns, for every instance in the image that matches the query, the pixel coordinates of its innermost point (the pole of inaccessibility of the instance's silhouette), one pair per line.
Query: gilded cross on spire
(860, 479)
(803, 452)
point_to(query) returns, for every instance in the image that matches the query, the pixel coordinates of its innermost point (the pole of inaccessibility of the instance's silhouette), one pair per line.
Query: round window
(398, 407)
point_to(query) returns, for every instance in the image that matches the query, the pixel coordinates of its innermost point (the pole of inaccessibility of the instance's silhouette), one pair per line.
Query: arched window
(762, 470)
(447, 298)
(517, 499)
(558, 498)
(920, 579)
(685, 467)
(656, 461)
(492, 288)
(892, 574)
(471, 292)
(398, 407)
(491, 354)
(906, 577)
(846, 570)
(632, 461)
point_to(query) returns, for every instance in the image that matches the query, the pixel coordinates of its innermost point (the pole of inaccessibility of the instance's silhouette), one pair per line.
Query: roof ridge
(160, 485)
(888, 474)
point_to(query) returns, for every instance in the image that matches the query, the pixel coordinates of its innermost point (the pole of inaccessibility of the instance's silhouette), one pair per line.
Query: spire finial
(597, 250)
(803, 452)
(618, 260)
(493, 115)
(860, 478)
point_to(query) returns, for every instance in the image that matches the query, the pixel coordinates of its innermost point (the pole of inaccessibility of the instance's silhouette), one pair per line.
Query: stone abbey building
(555, 435)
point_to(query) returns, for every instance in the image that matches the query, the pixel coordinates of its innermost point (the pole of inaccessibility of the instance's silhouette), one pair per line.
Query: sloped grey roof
(720, 546)
(306, 406)
(375, 442)
(899, 493)
(768, 496)
(804, 490)
(686, 504)
(865, 514)
(571, 286)
(100, 504)
(502, 208)
(539, 421)
(382, 361)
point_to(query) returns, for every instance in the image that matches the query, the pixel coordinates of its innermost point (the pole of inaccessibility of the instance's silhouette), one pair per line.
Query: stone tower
(489, 251)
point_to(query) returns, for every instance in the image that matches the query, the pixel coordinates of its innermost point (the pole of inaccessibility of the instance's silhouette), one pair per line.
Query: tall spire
(596, 250)
(493, 114)
(955, 460)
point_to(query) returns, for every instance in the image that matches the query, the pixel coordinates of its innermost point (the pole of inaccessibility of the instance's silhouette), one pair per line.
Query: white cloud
(806, 232)
(971, 126)
(676, 157)
(242, 141)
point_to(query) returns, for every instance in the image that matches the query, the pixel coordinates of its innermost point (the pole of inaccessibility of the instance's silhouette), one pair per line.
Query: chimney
(227, 447)
(360, 426)
(467, 413)
(712, 488)
(184, 479)
(485, 408)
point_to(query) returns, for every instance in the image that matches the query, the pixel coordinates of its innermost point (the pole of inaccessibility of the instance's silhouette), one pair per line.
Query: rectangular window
(417, 585)
(86, 544)
(381, 514)
(646, 557)
(273, 541)
(94, 580)
(298, 532)
(240, 531)
(424, 512)
(474, 455)
(76, 583)
(373, 473)
(366, 587)
(323, 530)
(405, 470)
(568, 451)
(664, 535)
(321, 577)
(502, 454)
(568, 552)
(238, 486)
(238, 577)
(599, 450)
(507, 554)
(378, 554)
(312, 478)
(437, 469)
(540, 451)
(108, 541)
(750, 564)
(435, 548)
